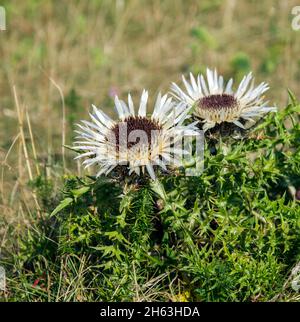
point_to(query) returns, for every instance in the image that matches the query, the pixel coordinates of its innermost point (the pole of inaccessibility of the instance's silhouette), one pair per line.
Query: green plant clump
(231, 234)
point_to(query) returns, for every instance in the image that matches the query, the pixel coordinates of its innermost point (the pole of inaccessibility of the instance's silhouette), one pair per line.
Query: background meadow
(59, 57)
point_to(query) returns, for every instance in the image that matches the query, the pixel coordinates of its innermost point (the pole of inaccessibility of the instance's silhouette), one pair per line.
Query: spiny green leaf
(63, 204)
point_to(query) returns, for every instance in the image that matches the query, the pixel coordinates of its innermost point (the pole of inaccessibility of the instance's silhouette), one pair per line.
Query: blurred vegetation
(94, 46)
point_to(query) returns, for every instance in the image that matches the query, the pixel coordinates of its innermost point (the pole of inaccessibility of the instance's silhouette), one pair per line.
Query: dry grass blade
(24, 146)
(32, 144)
(21, 129)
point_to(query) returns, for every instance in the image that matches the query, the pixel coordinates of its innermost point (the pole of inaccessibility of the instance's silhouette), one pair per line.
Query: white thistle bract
(135, 141)
(214, 102)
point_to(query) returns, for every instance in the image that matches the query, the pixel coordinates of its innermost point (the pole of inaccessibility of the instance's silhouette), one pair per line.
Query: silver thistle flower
(135, 141)
(214, 102)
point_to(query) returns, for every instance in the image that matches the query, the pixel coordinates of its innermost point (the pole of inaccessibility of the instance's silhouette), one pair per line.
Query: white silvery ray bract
(215, 102)
(135, 141)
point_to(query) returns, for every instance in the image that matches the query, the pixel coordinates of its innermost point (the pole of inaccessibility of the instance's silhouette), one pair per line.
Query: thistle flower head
(215, 103)
(136, 142)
